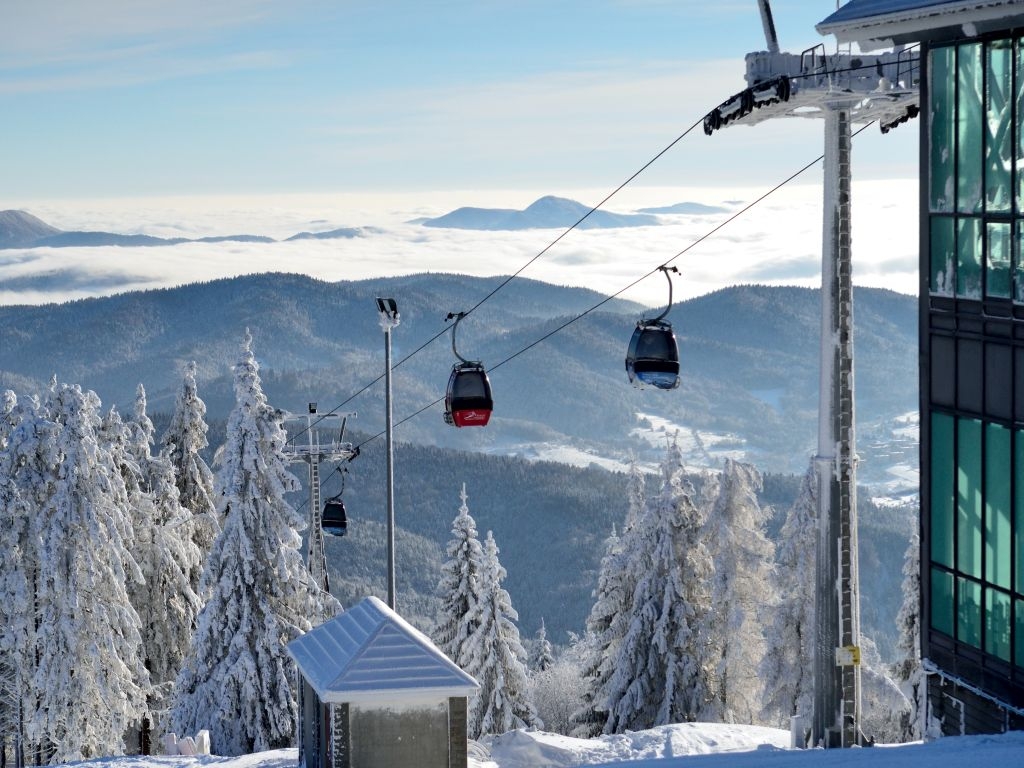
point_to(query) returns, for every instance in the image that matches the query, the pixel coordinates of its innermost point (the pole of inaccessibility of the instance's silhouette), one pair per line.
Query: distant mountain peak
(548, 212)
(19, 228)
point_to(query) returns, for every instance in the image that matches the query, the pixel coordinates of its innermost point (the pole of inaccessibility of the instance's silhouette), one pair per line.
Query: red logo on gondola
(472, 418)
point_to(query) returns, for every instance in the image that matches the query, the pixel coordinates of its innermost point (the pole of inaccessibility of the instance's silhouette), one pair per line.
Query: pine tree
(658, 677)
(16, 575)
(167, 604)
(789, 638)
(184, 440)
(459, 587)
(496, 657)
(908, 671)
(599, 646)
(543, 656)
(88, 677)
(741, 593)
(238, 680)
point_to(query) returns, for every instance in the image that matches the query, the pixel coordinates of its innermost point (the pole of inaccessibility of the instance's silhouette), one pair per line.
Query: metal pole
(836, 719)
(389, 319)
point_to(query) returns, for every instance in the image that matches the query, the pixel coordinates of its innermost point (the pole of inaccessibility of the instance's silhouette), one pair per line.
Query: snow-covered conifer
(599, 646)
(184, 440)
(168, 606)
(89, 678)
(238, 680)
(789, 638)
(658, 677)
(741, 593)
(16, 573)
(496, 657)
(542, 656)
(459, 586)
(908, 670)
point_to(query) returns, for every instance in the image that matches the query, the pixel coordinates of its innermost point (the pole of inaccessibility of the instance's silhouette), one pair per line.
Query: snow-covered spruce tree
(658, 677)
(908, 671)
(184, 440)
(741, 593)
(626, 558)
(16, 576)
(167, 604)
(789, 638)
(496, 657)
(89, 678)
(459, 587)
(238, 680)
(599, 647)
(542, 656)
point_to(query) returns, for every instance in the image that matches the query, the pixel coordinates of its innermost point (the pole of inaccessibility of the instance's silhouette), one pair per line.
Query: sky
(132, 115)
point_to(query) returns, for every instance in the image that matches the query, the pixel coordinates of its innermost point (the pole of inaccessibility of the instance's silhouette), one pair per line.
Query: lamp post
(389, 318)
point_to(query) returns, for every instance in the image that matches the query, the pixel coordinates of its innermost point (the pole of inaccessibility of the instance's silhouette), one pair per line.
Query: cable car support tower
(314, 438)
(843, 89)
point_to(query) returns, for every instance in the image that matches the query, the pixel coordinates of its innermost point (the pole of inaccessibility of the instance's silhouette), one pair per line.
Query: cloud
(777, 242)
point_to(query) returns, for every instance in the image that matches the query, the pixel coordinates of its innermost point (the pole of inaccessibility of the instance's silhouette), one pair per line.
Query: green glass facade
(972, 336)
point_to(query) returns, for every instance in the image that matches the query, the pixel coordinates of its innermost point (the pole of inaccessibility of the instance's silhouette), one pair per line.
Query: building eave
(917, 24)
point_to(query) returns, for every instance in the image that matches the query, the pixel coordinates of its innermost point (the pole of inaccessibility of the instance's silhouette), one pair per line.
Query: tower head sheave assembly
(882, 87)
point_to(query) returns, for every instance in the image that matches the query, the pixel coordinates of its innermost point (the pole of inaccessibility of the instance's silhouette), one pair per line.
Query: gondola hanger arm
(666, 269)
(457, 317)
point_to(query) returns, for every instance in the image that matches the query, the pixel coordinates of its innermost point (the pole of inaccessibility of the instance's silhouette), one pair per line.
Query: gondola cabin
(334, 520)
(652, 359)
(468, 402)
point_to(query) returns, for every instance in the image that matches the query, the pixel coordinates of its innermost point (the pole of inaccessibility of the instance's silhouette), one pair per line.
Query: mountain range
(20, 229)
(749, 389)
(749, 359)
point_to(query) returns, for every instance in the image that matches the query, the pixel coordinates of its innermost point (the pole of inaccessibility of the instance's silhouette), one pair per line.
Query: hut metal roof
(370, 654)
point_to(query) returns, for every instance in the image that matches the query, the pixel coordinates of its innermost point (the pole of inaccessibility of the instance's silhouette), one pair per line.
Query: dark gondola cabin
(468, 400)
(334, 519)
(652, 359)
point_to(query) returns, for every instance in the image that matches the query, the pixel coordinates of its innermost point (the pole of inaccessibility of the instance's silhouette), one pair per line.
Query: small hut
(377, 693)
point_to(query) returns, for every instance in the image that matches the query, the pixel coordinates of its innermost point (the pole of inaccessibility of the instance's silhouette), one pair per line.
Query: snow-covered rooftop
(904, 21)
(370, 654)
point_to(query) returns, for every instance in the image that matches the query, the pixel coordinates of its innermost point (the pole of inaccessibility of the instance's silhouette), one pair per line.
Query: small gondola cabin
(652, 359)
(334, 520)
(468, 401)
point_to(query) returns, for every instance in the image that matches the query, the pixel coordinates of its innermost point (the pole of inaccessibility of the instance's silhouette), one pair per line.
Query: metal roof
(370, 654)
(903, 21)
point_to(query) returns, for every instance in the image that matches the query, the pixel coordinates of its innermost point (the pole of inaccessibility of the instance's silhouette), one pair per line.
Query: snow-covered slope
(689, 745)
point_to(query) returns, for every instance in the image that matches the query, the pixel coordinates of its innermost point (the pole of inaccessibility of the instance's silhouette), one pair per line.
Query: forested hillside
(749, 358)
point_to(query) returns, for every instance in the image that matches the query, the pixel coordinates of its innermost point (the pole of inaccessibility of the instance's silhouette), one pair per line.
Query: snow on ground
(687, 745)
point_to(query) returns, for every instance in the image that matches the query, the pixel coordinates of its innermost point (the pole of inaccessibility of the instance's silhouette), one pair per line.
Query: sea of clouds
(776, 242)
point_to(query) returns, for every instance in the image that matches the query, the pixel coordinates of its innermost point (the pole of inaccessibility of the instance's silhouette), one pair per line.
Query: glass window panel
(968, 612)
(997, 505)
(942, 494)
(997, 261)
(968, 262)
(943, 256)
(969, 129)
(997, 623)
(1018, 633)
(942, 601)
(1018, 263)
(998, 125)
(1018, 515)
(968, 487)
(1020, 125)
(942, 128)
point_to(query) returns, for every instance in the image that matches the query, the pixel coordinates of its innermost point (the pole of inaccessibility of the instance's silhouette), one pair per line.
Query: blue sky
(123, 98)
